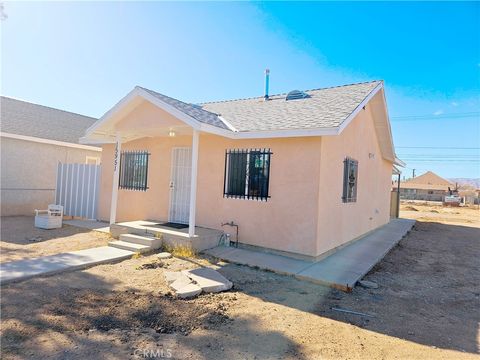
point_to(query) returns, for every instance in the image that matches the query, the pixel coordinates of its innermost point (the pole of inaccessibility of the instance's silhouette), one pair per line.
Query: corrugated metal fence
(77, 189)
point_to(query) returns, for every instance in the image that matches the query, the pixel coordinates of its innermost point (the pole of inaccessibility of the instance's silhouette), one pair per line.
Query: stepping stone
(171, 276)
(184, 287)
(209, 280)
(164, 255)
(189, 291)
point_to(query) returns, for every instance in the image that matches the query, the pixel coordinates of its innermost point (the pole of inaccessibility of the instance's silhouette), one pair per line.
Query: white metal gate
(181, 173)
(77, 189)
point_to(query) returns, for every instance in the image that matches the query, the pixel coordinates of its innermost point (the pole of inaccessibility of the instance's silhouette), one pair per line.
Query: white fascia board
(389, 127)
(232, 133)
(227, 124)
(399, 162)
(286, 133)
(137, 91)
(266, 134)
(170, 109)
(127, 98)
(354, 113)
(50, 142)
(396, 170)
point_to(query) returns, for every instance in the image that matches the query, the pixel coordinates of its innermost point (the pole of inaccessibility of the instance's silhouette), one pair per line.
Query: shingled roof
(322, 112)
(427, 181)
(195, 111)
(28, 119)
(323, 108)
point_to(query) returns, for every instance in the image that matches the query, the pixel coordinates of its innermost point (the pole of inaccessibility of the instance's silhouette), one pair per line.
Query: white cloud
(454, 103)
(438, 112)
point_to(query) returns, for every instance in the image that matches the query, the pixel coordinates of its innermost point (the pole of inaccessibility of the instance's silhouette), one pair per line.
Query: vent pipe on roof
(267, 83)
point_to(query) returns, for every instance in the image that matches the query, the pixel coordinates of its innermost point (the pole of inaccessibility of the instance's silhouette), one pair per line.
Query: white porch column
(116, 173)
(193, 184)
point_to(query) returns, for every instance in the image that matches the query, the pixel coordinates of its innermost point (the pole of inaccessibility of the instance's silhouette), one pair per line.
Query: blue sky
(84, 57)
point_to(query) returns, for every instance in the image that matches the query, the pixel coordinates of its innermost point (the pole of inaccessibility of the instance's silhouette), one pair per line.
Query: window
(350, 180)
(91, 160)
(133, 170)
(247, 174)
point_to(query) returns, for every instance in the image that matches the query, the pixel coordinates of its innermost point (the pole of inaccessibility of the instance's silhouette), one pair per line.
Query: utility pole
(413, 173)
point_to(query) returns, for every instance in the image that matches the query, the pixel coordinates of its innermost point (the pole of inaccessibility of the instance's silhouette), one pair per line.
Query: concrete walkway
(24, 269)
(341, 270)
(90, 224)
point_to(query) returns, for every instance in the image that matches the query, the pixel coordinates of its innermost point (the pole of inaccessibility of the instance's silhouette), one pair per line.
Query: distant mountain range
(467, 182)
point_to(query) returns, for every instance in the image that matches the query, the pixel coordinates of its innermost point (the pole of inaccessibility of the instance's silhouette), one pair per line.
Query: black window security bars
(350, 180)
(133, 170)
(247, 174)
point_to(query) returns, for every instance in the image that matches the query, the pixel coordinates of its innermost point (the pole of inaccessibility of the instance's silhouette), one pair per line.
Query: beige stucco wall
(340, 222)
(305, 214)
(287, 221)
(28, 173)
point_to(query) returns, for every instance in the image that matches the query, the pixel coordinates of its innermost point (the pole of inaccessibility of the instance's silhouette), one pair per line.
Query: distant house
(34, 138)
(300, 173)
(428, 187)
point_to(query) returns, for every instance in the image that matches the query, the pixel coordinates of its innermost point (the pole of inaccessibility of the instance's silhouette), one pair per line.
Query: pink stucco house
(299, 173)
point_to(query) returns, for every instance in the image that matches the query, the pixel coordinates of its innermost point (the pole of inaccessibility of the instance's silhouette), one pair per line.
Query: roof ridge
(48, 107)
(285, 93)
(186, 103)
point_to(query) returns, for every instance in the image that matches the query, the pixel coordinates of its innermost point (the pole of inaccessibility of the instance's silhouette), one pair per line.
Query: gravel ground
(20, 239)
(426, 307)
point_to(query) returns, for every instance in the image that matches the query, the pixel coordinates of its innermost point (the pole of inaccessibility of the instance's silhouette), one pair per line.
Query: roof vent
(296, 94)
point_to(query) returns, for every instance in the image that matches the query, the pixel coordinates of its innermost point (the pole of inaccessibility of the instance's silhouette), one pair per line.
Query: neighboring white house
(34, 139)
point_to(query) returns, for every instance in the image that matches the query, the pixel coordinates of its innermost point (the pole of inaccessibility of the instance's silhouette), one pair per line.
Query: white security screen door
(180, 185)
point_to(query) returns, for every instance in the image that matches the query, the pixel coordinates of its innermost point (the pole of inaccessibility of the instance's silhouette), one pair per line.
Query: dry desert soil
(426, 307)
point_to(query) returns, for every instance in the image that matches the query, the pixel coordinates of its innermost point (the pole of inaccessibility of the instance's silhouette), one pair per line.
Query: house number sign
(115, 158)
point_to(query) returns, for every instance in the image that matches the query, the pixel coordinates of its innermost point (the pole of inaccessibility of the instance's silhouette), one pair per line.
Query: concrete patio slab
(277, 263)
(25, 269)
(342, 269)
(90, 224)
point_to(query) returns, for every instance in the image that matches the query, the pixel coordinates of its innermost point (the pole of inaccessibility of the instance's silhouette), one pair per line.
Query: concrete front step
(124, 245)
(154, 243)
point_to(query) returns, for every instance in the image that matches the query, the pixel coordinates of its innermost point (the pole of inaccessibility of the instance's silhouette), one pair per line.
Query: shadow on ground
(79, 315)
(21, 230)
(428, 294)
(428, 290)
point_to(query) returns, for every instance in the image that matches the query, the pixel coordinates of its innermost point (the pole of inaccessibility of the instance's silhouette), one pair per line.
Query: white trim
(285, 133)
(232, 133)
(87, 158)
(389, 127)
(48, 141)
(399, 162)
(354, 113)
(170, 109)
(116, 174)
(227, 124)
(193, 184)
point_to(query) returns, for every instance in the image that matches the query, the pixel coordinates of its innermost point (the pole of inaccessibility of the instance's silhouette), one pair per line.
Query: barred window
(247, 174)
(350, 180)
(133, 170)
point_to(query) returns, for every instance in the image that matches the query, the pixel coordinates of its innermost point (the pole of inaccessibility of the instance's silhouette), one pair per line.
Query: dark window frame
(133, 172)
(247, 174)
(350, 180)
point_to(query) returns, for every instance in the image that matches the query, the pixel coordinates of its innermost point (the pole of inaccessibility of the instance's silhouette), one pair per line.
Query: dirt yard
(437, 213)
(20, 239)
(425, 308)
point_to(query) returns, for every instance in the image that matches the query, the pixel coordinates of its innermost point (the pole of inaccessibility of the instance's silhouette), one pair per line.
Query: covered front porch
(154, 166)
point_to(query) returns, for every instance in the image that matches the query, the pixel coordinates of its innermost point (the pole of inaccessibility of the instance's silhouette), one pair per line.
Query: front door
(181, 173)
